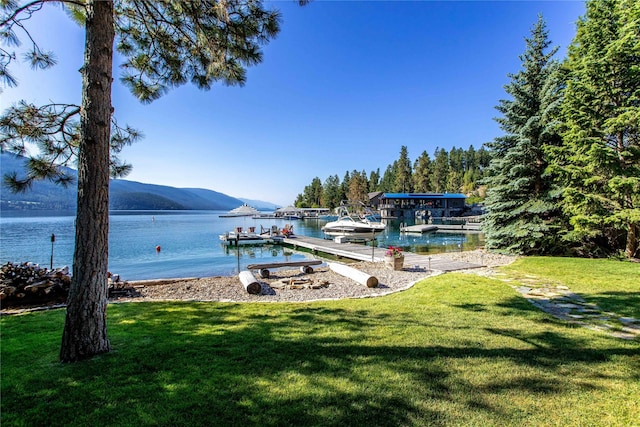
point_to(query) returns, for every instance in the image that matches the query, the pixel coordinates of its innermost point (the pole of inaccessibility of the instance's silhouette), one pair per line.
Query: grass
(454, 350)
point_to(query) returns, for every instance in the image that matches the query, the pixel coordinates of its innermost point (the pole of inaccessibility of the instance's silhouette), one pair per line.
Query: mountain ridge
(123, 194)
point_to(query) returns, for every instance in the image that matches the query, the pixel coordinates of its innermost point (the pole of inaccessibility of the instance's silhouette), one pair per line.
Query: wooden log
(39, 285)
(305, 269)
(357, 275)
(283, 264)
(249, 282)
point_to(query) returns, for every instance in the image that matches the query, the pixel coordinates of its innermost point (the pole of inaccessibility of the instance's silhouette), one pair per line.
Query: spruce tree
(522, 212)
(600, 161)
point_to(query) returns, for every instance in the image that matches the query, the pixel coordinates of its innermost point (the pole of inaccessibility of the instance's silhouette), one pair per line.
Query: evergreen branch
(55, 131)
(29, 8)
(35, 56)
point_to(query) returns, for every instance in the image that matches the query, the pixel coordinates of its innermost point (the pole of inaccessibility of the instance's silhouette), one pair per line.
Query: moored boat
(362, 226)
(244, 210)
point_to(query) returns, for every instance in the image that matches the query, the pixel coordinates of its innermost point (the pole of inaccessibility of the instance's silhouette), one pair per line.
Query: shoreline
(328, 285)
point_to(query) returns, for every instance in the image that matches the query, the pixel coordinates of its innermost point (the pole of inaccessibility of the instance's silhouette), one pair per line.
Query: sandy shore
(322, 284)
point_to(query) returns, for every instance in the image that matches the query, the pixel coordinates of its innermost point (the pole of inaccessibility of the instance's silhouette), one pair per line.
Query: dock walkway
(362, 252)
(470, 227)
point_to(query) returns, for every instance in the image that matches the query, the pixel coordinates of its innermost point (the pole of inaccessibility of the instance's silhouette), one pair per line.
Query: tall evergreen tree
(456, 170)
(312, 195)
(386, 183)
(374, 181)
(344, 186)
(403, 182)
(358, 188)
(600, 161)
(331, 192)
(164, 44)
(522, 214)
(440, 170)
(421, 174)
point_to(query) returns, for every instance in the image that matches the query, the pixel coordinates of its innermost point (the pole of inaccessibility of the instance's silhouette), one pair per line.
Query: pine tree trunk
(85, 329)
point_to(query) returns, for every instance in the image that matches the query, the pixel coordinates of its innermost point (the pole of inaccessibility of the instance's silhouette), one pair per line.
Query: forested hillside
(124, 194)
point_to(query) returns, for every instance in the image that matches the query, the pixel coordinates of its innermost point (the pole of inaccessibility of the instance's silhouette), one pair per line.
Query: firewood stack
(29, 284)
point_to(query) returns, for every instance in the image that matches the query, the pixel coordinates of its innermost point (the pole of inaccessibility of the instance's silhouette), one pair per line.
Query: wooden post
(357, 275)
(249, 282)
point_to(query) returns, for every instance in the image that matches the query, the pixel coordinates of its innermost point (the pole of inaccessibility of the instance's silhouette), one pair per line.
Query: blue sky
(343, 86)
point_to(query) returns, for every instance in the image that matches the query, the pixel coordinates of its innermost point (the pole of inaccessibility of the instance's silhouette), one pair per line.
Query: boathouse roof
(424, 196)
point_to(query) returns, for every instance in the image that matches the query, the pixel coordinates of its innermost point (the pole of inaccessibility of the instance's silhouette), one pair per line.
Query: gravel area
(322, 284)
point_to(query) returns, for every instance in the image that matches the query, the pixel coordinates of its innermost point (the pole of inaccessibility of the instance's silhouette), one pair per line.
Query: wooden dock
(420, 228)
(362, 252)
(454, 228)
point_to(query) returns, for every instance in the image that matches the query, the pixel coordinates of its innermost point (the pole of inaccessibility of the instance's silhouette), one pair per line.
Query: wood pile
(29, 284)
(301, 283)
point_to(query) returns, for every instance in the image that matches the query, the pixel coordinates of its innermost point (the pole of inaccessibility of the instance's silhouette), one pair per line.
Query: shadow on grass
(279, 365)
(625, 304)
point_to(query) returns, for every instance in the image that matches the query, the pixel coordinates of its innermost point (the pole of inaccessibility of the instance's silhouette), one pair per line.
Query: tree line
(564, 176)
(454, 171)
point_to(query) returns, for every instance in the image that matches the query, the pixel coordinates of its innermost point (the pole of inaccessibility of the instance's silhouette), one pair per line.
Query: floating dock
(362, 252)
(428, 228)
(420, 228)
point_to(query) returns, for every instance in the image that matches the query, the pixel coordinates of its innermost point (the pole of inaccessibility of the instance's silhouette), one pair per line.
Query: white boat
(244, 210)
(362, 226)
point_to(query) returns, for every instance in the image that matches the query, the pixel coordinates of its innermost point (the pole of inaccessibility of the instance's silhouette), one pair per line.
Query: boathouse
(420, 205)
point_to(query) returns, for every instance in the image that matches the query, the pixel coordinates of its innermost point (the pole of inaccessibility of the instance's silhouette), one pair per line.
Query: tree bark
(85, 329)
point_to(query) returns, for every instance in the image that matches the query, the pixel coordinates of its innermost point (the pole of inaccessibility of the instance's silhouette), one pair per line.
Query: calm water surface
(189, 242)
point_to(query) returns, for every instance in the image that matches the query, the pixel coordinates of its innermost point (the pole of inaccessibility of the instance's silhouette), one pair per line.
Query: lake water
(190, 246)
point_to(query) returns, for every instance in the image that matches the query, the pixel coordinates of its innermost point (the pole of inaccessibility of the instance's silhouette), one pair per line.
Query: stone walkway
(560, 302)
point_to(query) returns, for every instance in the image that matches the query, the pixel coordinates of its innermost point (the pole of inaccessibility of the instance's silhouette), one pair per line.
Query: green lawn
(456, 349)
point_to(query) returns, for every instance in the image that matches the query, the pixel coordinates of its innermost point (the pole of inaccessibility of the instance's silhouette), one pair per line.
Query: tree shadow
(301, 364)
(625, 304)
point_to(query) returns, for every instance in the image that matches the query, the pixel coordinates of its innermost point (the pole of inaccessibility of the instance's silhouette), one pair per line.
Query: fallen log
(264, 268)
(357, 275)
(249, 282)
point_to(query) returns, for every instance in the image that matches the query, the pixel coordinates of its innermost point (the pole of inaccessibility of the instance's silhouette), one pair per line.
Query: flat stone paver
(563, 304)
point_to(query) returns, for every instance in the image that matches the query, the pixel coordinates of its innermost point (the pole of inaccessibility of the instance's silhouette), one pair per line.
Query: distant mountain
(124, 195)
(183, 198)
